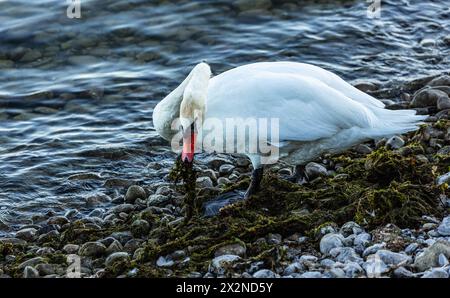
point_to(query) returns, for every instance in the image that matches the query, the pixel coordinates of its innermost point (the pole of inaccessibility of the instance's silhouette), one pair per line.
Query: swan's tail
(392, 122)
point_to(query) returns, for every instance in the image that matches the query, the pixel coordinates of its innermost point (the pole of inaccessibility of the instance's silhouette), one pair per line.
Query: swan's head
(193, 108)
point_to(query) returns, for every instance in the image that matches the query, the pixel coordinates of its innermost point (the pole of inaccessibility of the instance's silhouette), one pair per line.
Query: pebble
(140, 228)
(226, 169)
(264, 273)
(436, 273)
(393, 258)
(395, 142)
(430, 256)
(345, 254)
(204, 182)
(117, 258)
(443, 80)
(295, 267)
(442, 260)
(221, 263)
(30, 272)
(314, 170)
(362, 239)
(28, 234)
(158, 200)
(71, 248)
(428, 97)
(330, 241)
(135, 192)
(92, 249)
(231, 249)
(164, 262)
(444, 227)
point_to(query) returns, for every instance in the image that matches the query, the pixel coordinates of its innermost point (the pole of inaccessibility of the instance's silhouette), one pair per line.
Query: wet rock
(123, 208)
(30, 272)
(242, 162)
(114, 247)
(122, 237)
(31, 262)
(226, 169)
(221, 264)
(363, 149)
(264, 273)
(295, 267)
(314, 170)
(117, 259)
(444, 227)
(443, 80)
(204, 182)
(46, 269)
(443, 179)
(140, 228)
(427, 97)
(96, 200)
(28, 234)
(311, 274)
(366, 86)
(362, 239)
(231, 249)
(274, 238)
(395, 142)
(436, 273)
(57, 220)
(71, 248)
(430, 256)
(223, 181)
(411, 248)
(443, 103)
(335, 273)
(442, 260)
(345, 254)
(330, 241)
(92, 249)
(308, 261)
(135, 192)
(352, 269)
(158, 200)
(402, 272)
(393, 258)
(350, 228)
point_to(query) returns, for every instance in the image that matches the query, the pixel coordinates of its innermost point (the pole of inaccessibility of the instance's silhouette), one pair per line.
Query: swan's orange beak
(187, 155)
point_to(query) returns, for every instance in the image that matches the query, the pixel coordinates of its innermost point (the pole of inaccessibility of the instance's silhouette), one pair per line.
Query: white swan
(318, 111)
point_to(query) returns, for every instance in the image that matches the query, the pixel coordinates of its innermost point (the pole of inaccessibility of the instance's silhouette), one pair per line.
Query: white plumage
(318, 111)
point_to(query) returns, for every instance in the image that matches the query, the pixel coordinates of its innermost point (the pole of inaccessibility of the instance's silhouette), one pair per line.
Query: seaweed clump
(185, 171)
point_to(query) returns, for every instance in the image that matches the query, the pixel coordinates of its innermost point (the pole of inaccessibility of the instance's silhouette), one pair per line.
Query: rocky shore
(378, 210)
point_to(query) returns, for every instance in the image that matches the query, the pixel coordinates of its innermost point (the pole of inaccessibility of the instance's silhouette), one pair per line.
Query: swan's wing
(308, 70)
(307, 108)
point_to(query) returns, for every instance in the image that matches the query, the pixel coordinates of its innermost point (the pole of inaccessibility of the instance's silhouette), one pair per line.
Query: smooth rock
(117, 258)
(92, 249)
(345, 254)
(393, 258)
(444, 227)
(443, 80)
(231, 249)
(295, 267)
(442, 260)
(402, 272)
(352, 269)
(436, 273)
(204, 182)
(226, 169)
(164, 262)
(30, 272)
(362, 239)
(427, 97)
(350, 228)
(140, 228)
(374, 266)
(395, 142)
(314, 170)
(264, 273)
(135, 192)
(430, 256)
(220, 264)
(28, 234)
(373, 249)
(330, 241)
(71, 248)
(31, 262)
(311, 274)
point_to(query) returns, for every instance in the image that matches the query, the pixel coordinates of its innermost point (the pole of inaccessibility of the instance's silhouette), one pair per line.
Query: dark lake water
(76, 95)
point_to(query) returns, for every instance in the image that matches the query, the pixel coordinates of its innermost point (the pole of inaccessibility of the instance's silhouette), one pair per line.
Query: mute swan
(318, 112)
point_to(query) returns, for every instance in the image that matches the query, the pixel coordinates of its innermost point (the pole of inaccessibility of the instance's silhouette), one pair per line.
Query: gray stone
(430, 256)
(117, 258)
(443, 103)
(231, 249)
(311, 274)
(115, 246)
(46, 269)
(345, 254)
(57, 220)
(393, 258)
(330, 241)
(373, 249)
(30, 272)
(274, 238)
(350, 228)
(226, 169)
(314, 170)
(374, 266)
(31, 262)
(308, 261)
(427, 97)
(31, 55)
(436, 273)
(352, 269)
(221, 264)
(71, 248)
(140, 228)
(402, 272)
(395, 142)
(444, 227)
(295, 267)
(335, 273)
(363, 149)
(442, 260)
(411, 248)
(92, 249)
(362, 239)
(158, 200)
(123, 208)
(28, 234)
(443, 80)
(204, 182)
(264, 273)
(135, 192)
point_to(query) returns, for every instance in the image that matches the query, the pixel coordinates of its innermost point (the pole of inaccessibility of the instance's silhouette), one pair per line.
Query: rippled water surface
(76, 95)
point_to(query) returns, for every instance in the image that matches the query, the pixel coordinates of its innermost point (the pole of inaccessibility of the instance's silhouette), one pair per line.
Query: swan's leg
(299, 175)
(255, 182)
